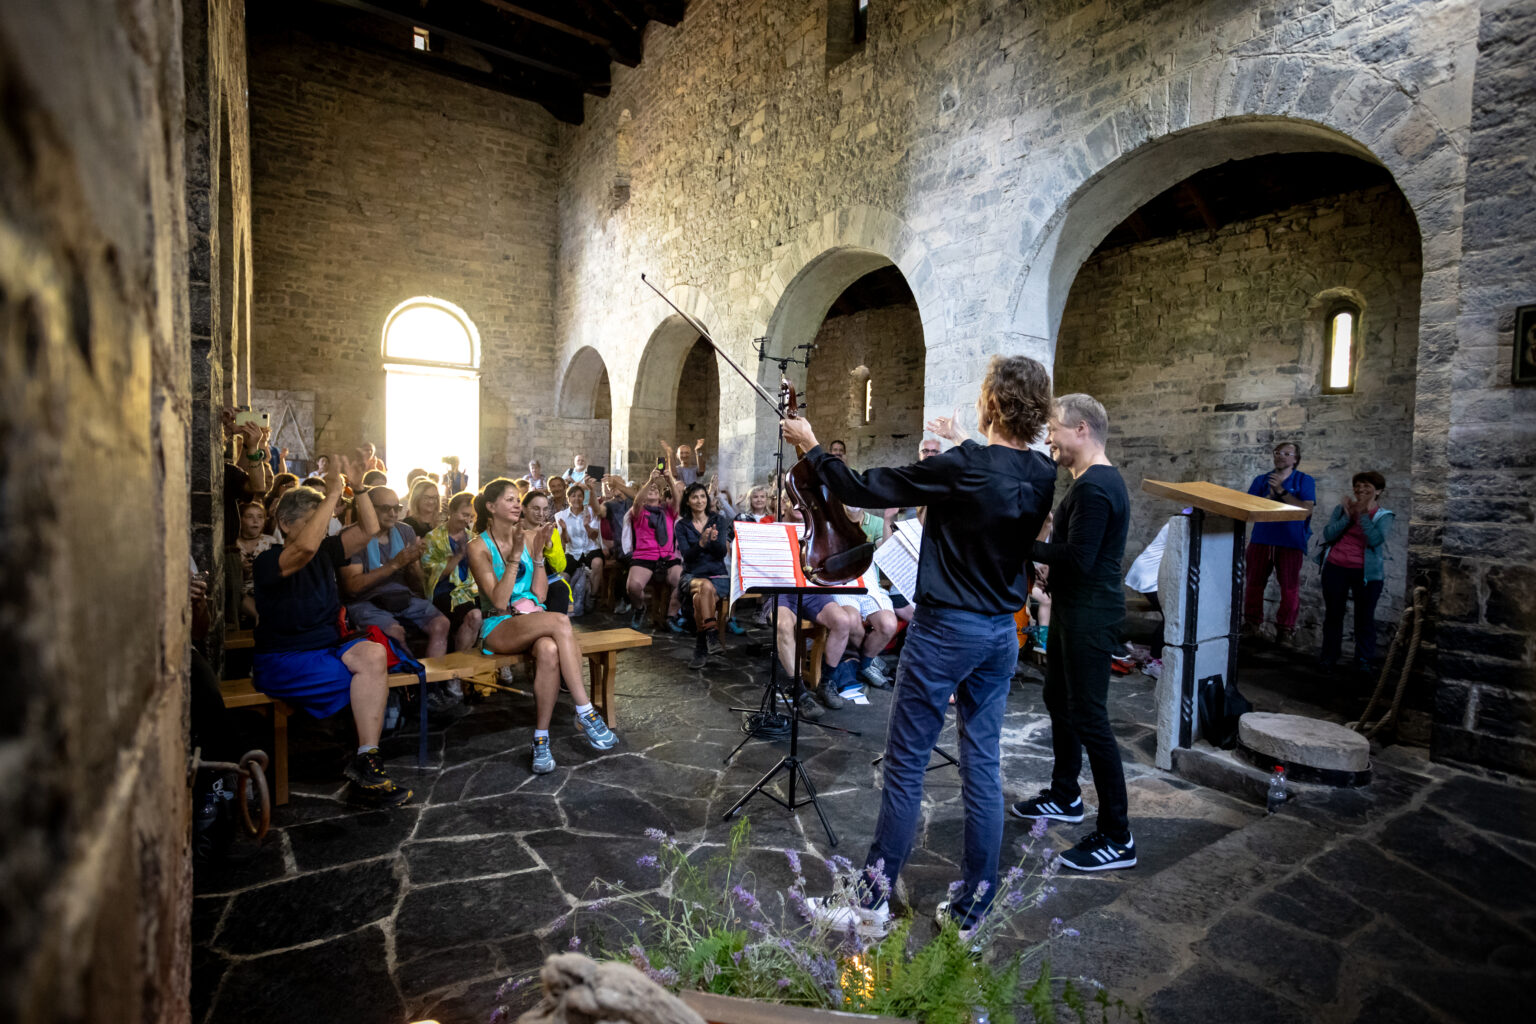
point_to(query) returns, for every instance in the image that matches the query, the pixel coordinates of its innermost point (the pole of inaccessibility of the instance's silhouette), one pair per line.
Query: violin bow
(762, 392)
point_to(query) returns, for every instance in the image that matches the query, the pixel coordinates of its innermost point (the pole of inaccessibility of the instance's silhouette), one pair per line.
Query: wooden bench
(600, 648)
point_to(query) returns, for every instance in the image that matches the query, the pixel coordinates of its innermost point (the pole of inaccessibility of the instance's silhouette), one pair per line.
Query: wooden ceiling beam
(535, 46)
(1198, 202)
(620, 42)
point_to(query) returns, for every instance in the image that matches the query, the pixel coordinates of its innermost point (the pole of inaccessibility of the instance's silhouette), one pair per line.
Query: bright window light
(421, 39)
(869, 400)
(429, 334)
(431, 413)
(1341, 351)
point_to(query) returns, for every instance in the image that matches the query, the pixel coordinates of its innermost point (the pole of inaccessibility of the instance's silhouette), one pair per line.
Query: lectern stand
(1200, 588)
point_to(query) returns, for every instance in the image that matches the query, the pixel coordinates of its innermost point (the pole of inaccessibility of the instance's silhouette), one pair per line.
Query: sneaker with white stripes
(1098, 852)
(1045, 805)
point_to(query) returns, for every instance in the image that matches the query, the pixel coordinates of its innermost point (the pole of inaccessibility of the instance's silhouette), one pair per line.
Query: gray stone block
(1307, 741)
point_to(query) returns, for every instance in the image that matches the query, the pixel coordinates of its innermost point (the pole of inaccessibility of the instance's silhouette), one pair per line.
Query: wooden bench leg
(280, 713)
(601, 667)
(818, 654)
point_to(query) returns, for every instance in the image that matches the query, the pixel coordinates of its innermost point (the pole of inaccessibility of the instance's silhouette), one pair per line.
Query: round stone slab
(1306, 741)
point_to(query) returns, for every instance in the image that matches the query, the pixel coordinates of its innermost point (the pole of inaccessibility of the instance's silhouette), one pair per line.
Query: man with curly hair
(985, 504)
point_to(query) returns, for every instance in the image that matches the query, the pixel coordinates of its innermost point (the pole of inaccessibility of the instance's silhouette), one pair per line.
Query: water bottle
(1276, 789)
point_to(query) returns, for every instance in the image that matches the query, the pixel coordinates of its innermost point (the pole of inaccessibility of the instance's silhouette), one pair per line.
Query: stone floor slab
(345, 979)
(307, 907)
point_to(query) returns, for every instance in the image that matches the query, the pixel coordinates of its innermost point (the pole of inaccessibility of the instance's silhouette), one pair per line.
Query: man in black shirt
(301, 658)
(1087, 612)
(985, 504)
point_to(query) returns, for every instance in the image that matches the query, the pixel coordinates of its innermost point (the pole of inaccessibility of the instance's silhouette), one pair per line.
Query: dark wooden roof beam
(620, 42)
(533, 46)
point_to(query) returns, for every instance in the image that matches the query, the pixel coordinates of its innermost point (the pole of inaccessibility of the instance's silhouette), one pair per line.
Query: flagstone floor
(1412, 900)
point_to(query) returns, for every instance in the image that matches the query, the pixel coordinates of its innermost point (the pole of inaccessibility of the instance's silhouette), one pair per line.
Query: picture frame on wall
(1522, 369)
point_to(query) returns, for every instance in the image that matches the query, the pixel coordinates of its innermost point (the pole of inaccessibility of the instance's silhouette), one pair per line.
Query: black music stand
(790, 764)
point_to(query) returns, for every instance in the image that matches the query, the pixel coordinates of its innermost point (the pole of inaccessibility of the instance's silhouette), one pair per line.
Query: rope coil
(1413, 617)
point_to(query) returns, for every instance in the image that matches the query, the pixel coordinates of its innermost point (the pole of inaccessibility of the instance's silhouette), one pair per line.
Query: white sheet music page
(897, 557)
(767, 555)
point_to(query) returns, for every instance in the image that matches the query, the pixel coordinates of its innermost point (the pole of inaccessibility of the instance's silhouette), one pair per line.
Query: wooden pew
(600, 647)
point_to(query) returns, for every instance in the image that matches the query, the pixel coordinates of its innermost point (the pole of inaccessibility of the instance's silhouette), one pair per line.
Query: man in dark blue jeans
(985, 505)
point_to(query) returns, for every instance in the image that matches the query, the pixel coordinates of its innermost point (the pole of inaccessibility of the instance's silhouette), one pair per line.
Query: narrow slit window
(869, 400)
(861, 22)
(421, 39)
(1341, 350)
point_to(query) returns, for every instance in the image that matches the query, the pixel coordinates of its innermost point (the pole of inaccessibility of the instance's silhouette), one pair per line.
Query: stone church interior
(321, 303)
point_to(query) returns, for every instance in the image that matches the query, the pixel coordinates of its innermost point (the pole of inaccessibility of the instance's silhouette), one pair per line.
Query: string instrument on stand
(833, 548)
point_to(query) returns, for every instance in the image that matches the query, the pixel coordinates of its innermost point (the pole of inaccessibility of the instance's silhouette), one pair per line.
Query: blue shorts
(317, 682)
(810, 604)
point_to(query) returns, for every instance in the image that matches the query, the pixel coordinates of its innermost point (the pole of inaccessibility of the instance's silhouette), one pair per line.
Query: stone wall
(375, 183)
(698, 401)
(986, 147)
(1485, 711)
(888, 343)
(95, 414)
(1207, 350)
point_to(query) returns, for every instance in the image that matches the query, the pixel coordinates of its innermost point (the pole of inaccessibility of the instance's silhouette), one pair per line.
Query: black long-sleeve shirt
(703, 559)
(1087, 544)
(985, 506)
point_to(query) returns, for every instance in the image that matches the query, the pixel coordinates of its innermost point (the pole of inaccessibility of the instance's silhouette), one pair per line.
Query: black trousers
(1077, 653)
(1339, 586)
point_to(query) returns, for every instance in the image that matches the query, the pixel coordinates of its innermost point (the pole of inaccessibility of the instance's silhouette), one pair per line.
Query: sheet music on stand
(897, 557)
(767, 555)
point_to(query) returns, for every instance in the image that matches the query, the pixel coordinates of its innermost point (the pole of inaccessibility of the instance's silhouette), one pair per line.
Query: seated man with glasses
(382, 583)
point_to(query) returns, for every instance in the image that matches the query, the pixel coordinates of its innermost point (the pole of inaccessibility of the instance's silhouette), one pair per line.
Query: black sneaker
(700, 655)
(1098, 852)
(371, 783)
(637, 620)
(712, 642)
(1047, 806)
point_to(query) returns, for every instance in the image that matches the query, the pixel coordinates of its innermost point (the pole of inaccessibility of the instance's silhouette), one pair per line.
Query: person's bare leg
(704, 602)
(674, 598)
(834, 617)
(635, 586)
(546, 679)
(370, 689)
(519, 634)
(881, 627)
(469, 631)
(786, 640)
(395, 632)
(437, 636)
(1042, 608)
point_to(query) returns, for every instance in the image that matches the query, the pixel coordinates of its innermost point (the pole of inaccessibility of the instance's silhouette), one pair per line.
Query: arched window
(1341, 348)
(431, 389)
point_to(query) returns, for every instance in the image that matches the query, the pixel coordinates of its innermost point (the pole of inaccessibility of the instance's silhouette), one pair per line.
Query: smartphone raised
(261, 419)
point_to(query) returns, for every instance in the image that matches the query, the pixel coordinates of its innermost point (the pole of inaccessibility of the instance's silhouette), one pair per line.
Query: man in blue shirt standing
(1279, 546)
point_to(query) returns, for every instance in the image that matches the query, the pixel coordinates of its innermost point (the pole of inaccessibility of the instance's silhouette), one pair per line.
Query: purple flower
(509, 986)
(1037, 829)
(666, 977)
(744, 897)
(656, 835)
(647, 861)
(736, 958)
(802, 908)
(758, 926)
(955, 887)
(574, 944)
(783, 983)
(638, 958)
(1015, 898)
(1070, 933)
(499, 1015)
(841, 863)
(1015, 876)
(982, 889)
(794, 860)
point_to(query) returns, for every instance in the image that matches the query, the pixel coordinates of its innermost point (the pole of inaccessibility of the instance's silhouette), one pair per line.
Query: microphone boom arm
(762, 392)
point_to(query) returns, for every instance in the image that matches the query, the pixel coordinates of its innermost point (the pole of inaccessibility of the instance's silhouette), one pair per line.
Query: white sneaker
(941, 917)
(871, 923)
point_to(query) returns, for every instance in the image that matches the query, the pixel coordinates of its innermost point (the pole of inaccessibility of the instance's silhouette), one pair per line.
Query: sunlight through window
(431, 389)
(1341, 351)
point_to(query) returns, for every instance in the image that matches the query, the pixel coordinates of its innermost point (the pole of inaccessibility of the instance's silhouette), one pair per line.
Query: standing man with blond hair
(1087, 612)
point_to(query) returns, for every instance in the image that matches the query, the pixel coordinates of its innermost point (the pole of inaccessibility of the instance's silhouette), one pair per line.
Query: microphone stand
(766, 720)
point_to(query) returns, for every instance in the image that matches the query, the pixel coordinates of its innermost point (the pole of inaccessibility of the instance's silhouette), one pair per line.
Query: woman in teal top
(515, 620)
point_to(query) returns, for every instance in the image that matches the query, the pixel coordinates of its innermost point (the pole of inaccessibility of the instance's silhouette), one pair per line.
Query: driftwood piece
(579, 990)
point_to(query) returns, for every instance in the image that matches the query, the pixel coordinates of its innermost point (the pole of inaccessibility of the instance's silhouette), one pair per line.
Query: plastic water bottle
(1277, 795)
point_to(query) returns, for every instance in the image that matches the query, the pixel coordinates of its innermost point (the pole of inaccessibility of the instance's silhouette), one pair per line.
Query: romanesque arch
(653, 398)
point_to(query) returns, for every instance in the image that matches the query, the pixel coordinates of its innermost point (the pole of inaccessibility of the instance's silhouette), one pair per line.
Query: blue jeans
(972, 656)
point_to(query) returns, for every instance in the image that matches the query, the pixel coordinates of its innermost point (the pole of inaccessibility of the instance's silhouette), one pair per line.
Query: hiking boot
(713, 644)
(874, 675)
(1098, 852)
(543, 757)
(806, 705)
(700, 655)
(371, 783)
(1047, 806)
(827, 692)
(599, 736)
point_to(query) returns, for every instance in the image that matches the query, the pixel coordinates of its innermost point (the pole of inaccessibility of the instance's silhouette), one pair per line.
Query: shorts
(867, 604)
(810, 605)
(558, 597)
(419, 612)
(722, 584)
(655, 565)
(457, 615)
(316, 682)
(584, 562)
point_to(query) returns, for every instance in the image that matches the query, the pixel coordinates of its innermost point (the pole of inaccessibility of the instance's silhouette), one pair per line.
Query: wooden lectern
(1201, 623)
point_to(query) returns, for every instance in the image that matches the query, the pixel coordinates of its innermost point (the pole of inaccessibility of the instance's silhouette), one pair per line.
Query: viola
(833, 548)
